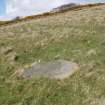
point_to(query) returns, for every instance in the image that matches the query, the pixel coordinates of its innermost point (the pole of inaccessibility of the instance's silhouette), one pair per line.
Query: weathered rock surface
(58, 69)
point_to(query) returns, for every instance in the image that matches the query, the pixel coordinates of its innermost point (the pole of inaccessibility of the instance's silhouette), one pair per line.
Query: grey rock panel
(58, 69)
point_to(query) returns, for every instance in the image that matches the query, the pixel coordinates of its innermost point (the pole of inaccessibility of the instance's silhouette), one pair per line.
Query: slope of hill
(55, 11)
(2, 22)
(74, 35)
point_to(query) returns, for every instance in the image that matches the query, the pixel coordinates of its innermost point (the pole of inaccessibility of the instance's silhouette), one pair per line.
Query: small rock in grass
(6, 50)
(91, 52)
(12, 57)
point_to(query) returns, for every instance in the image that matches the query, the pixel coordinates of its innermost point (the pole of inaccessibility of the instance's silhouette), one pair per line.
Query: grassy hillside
(2, 22)
(74, 35)
(55, 11)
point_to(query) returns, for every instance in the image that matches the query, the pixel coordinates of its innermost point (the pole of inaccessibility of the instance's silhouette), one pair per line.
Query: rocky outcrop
(64, 7)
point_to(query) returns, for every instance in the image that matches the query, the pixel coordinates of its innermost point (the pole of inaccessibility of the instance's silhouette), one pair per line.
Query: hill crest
(55, 11)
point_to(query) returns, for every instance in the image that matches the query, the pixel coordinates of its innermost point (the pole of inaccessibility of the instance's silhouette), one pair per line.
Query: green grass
(76, 35)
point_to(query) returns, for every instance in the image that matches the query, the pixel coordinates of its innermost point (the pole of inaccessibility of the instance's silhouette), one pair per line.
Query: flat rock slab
(58, 69)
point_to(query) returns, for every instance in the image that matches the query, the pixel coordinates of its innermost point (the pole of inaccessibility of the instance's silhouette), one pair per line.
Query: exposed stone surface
(58, 69)
(64, 7)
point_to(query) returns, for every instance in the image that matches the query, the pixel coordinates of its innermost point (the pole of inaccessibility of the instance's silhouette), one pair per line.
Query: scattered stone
(91, 52)
(6, 50)
(12, 57)
(58, 69)
(57, 56)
